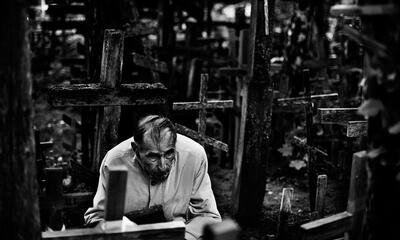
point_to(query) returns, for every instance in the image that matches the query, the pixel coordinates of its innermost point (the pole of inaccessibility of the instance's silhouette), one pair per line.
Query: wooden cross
(202, 105)
(114, 228)
(109, 94)
(351, 221)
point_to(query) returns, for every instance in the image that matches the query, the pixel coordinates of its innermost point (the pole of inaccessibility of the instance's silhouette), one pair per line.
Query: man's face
(157, 157)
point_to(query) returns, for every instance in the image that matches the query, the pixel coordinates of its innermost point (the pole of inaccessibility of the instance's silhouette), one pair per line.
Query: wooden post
(357, 200)
(250, 177)
(108, 117)
(116, 190)
(284, 213)
(225, 230)
(322, 184)
(19, 209)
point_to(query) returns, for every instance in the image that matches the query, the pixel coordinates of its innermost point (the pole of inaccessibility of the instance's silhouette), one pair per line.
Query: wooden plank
(358, 195)
(149, 63)
(225, 230)
(207, 140)
(363, 10)
(327, 228)
(19, 207)
(112, 57)
(338, 115)
(356, 128)
(303, 100)
(322, 185)
(115, 193)
(202, 111)
(284, 213)
(212, 104)
(167, 231)
(136, 94)
(253, 145)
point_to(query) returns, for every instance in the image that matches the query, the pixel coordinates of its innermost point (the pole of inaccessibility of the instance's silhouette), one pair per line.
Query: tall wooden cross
(202, 105)
(109, 94)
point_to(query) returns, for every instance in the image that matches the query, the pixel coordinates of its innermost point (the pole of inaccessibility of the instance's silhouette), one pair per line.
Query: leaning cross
(202, 105)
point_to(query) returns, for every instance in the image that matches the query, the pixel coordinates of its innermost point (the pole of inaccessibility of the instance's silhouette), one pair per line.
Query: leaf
(297, 164)
(286, 150)
(370, 107)
(395, 129)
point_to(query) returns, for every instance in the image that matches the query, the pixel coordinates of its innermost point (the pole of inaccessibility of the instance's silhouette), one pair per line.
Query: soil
(222, 180)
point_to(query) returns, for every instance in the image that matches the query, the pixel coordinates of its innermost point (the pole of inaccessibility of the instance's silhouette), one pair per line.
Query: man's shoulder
(120, 152)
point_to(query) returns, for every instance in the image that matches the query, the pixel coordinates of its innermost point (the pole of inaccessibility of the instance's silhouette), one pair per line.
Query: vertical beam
(284, 213)
(19, 210)
(322, 184)
(357, 200)
(202, 110)
(115, 193)
(312, 172)
(253, 146)
(107, 119)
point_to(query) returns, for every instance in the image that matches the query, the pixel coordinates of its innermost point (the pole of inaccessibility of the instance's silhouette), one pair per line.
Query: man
(164, 168)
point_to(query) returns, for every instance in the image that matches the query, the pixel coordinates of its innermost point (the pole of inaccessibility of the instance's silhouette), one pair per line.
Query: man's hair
(155, 124)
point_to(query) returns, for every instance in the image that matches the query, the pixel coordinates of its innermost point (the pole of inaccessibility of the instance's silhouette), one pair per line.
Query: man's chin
(159, 178)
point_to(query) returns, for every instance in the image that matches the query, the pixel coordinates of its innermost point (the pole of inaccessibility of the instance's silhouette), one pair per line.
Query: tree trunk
(19, 211)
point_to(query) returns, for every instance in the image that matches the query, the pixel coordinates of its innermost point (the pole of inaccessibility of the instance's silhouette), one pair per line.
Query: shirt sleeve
(202, 206)
(95, 214)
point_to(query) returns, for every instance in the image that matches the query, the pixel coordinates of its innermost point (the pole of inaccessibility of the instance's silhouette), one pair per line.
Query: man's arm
(202, 207)
(95, 214)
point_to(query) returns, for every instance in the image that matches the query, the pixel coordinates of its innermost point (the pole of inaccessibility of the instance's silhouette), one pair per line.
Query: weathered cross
(202, 105)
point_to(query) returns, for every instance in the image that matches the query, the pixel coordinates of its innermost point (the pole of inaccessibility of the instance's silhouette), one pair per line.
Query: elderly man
(164, 168)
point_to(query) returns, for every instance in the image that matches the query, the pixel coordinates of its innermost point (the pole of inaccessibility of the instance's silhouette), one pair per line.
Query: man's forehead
(165, 140)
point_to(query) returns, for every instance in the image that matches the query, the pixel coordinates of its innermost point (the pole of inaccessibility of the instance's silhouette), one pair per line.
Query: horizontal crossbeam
(207, 140)
(338, 115)
(213, 104)
(365, 10)
(327, 228)
(97, 95)
(149, 63)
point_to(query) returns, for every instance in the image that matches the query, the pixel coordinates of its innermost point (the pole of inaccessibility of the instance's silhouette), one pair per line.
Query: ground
(222, 180)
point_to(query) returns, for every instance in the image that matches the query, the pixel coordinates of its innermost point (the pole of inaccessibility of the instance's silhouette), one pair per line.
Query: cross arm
(213, 104)
(97, 95)
(196, 136)
(327, 228)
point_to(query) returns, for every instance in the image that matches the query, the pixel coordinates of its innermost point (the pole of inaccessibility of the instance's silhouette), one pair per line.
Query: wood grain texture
(327, 228)
(322, 185)
(136, 94)
(356, 128)
(112, 57)
(338, 115)
(202, 111)
(19, 207)
(255, 131)
(164, 231)
(213, 104)
(196, 136)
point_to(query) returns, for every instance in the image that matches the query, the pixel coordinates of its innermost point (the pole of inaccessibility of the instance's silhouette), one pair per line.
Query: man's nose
(163, 163)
